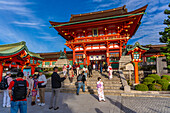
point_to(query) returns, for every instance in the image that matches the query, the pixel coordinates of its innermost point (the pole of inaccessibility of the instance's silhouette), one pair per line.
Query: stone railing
(124, 82)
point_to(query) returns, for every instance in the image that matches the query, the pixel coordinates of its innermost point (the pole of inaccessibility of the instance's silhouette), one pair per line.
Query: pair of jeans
(101, 69)
(15, 105)
(79, 86)
(6, 99)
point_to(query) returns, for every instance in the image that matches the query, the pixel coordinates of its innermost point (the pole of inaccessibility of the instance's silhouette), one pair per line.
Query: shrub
(155, 87)
(48, 75)
(164, 83)
(149, 79)
(147, 83)
(60, 68)
(166, 77)
(141, 87)
(155, 76)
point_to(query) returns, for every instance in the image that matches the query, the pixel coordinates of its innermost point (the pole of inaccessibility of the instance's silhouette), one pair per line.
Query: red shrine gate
(99, 36)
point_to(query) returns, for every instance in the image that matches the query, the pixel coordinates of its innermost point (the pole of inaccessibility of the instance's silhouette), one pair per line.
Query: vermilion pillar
(1, 71)
(136, 73)
(120, 50)
(74, 56)
(107, 53)
(84, 56)
(88, 60)
(32, 70)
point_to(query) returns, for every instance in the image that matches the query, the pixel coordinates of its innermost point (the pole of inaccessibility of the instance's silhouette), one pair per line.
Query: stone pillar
(1, 71)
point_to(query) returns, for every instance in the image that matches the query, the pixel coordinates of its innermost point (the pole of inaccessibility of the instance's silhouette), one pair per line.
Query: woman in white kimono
(110, 71)
(100, 90)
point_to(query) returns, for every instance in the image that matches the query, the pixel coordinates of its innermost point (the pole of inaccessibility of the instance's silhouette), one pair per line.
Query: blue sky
(28, 20)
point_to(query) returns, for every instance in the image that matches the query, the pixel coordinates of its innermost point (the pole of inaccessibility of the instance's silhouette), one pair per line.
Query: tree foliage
(165, 38)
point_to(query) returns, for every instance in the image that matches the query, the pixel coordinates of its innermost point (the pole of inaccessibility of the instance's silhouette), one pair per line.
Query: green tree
(166, 37)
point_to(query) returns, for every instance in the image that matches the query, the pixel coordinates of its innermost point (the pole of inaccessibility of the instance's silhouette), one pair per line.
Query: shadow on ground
(120, 106)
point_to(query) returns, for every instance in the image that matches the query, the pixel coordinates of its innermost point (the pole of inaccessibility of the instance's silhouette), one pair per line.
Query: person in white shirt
(30, 81)
(6, 99)
(85, 70)
(42, 81)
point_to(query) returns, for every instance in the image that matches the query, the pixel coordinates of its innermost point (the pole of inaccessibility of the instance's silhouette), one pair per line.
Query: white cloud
(26, 23)
(153, 9)
(15, 3)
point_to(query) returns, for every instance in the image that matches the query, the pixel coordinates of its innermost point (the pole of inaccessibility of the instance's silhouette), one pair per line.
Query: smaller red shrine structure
(100, 36)
(17, 55)
(136, 53)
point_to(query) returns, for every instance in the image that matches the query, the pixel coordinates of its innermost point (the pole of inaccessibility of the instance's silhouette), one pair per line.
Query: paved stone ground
(86, 103)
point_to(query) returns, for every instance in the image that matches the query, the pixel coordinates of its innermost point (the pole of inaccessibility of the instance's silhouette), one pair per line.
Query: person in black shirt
(90, 70)
(81, 80)
(56, 85)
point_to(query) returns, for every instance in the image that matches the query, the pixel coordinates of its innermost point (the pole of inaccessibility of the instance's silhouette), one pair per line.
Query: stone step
(89, 84)
(93, 87)
(104, 81)
(94, 82)
(87, 90)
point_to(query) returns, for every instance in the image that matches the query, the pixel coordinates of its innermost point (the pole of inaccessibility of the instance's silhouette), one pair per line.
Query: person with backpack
(42, 81)
(7, 79)
(81, 80)
(56, 85)
(18, 91)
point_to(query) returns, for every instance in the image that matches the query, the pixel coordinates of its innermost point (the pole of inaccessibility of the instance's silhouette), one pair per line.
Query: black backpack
(80, 77)
(4, 83)
(19, 90)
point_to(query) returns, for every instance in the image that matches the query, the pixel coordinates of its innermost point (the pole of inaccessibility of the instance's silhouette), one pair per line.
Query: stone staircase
(111, 87)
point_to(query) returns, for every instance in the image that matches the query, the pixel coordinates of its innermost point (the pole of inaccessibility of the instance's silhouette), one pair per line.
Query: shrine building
(100, 36)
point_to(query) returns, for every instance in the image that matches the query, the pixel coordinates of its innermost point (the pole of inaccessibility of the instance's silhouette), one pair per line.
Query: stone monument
(62, 60)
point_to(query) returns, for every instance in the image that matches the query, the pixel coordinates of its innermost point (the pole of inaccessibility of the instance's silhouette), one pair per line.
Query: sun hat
(8, 72)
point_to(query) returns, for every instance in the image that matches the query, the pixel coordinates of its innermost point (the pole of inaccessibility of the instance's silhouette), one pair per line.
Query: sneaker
(56, 108)
(50, 107)
(38, 100)
(8, 106)
(42, 104)
(4, 106)
(39, 104)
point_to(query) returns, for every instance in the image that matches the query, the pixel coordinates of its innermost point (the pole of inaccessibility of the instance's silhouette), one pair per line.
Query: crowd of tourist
(15, 95)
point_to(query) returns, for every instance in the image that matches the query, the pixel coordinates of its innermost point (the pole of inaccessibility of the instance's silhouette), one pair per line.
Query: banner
(27, 72)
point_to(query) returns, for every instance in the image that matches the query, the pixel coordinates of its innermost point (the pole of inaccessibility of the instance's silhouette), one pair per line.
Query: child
(30, 81)
(71, 75)
(34, 90)
(100, 90)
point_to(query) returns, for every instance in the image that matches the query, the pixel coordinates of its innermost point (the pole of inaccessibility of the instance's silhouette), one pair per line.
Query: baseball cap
(40, 71)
